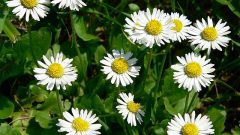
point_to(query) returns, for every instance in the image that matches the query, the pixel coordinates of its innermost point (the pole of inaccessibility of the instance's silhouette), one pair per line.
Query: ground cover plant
(123, 67)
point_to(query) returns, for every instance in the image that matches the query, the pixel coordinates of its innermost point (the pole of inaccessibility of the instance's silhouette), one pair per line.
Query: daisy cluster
(39, 8)
(158, 27)
(120, 67)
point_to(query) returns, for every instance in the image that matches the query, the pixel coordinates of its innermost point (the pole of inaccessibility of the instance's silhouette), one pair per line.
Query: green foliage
(40, 43)
(6, 107)
(233, 5)
(5, 129)
(85, 36)
(81, 63)
(174, 97)
(81, 29)
(218, 117)
(43, 118)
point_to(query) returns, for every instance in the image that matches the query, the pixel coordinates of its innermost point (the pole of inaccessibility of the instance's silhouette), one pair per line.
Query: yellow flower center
(154, 27)
(190, 129)
(80, 125)
(178, 25)
(133, 107)
(55, 70)
(29, 3)
(120, 65)
(209, 34)
(193, 69)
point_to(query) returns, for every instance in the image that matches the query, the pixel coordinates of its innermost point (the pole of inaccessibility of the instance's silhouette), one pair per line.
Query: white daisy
(72, 4)
(193, 71)
(132, 25)
(36, 8)
(56, 71)
(151, 28)
(120, 67)
(190, 125)
(181, 27)
(206, 36)
(130, 109)
(79, 123)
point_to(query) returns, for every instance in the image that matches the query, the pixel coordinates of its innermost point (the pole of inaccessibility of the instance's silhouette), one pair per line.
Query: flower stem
(59, 102)
(125, 128)
(192, 101)
(186, 103)
(148, 67)
(74, 40)
(160, 74)
(30, 43)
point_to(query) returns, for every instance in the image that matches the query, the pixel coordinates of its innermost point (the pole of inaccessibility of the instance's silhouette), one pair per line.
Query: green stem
(74, 40)
(59, 102)
(148, 67)
(225, 84)
(30, 43)
(186, 103)
(192, 101)
(160, 76)
(125, 127)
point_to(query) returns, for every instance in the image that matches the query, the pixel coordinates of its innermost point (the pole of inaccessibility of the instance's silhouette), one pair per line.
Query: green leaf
(43, 118)
(236, 131)
(21, 119)
(158, 130)
(56, 49)
(82, 63)
(217, 116)
(81, 29)
(234, 7)
(11, 31)
(50, 104)
(6, 129)
(99, 53)
(2, 19)
(118, 42)
(223, 2)
(35, 129)
(41, 41)
(67, 104)
(11, 69)
(6, 107)
(90, 102)
(174, 97)
(170, 89)
(169, 107)
(39, 94)
(235, 42)
(108, 104)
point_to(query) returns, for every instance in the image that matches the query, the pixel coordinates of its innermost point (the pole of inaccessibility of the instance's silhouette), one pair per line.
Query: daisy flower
(55, 71)
(150, 28)
(207, 36)
(130, 109)
(72, 4)
(120, 67)
(132, 25)
(79, 123)
(193, 72)
(190, 125)
(181, 27)
(36, 8)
